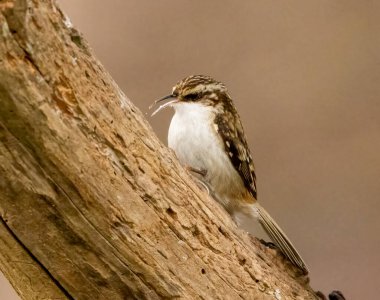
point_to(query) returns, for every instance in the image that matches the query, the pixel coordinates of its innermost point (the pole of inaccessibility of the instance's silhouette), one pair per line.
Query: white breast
(194, 139)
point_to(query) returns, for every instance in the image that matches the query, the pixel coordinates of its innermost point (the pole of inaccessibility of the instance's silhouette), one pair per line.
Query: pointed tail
(278, 237)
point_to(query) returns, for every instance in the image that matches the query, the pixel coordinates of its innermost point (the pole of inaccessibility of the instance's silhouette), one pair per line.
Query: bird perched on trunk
(208, 138)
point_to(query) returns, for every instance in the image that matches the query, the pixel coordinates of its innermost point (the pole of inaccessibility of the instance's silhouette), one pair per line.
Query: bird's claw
(201, 172)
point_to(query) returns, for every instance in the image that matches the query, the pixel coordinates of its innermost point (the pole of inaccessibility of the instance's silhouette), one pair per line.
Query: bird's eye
(191, 97)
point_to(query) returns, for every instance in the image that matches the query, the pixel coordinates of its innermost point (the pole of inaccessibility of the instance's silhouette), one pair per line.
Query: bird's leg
(202, 184)
(268, 244)
(201, 172)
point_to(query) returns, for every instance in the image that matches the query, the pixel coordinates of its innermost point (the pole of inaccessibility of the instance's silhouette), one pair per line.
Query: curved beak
(169, 103)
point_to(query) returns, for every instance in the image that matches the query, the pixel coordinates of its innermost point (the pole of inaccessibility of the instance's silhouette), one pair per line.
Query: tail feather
(279, 238)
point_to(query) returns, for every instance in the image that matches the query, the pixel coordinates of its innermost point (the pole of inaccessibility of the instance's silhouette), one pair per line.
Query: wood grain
(91, 201)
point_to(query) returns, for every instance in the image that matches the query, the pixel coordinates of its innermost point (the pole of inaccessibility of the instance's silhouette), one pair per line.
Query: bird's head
(195, 89)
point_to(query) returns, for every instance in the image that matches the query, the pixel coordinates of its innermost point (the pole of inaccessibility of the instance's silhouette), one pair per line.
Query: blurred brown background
(305, 76)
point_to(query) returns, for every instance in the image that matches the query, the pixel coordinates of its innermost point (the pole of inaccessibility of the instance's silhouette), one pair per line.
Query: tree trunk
(92, 205)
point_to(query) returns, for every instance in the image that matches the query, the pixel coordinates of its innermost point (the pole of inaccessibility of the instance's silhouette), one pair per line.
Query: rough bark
(92, 205)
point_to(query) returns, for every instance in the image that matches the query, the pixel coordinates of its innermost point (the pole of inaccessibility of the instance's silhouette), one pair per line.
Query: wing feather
(231, 131)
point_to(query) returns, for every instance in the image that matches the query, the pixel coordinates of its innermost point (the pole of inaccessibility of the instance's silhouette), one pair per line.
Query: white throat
(190, 129)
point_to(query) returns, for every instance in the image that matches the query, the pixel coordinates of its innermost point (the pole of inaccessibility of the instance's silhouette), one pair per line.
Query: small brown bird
(208, 138)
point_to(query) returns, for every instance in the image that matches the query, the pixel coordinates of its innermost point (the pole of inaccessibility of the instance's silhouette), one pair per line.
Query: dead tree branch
(92, 205)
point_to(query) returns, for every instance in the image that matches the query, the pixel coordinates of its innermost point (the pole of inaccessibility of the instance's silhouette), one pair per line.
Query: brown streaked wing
(231, 132)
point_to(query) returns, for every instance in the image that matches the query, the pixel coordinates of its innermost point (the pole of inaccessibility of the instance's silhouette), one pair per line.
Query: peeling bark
(92, 205)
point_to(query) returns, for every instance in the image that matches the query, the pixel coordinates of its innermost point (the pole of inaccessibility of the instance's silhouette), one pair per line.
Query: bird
(207, 136)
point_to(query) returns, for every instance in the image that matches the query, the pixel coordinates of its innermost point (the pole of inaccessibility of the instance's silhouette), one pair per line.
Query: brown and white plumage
(206, 134)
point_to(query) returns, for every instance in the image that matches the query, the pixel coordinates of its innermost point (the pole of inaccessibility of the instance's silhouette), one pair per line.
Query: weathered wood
(30, 279)
(92, 205)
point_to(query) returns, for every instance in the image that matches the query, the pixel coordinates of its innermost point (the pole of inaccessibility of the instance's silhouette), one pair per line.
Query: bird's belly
(197, 144)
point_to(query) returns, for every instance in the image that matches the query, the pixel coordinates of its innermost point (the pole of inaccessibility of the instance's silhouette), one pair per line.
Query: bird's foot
(201, 172)
(202, 185)
(268, 244)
